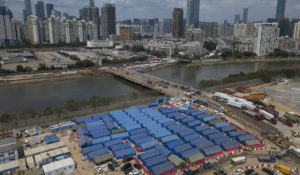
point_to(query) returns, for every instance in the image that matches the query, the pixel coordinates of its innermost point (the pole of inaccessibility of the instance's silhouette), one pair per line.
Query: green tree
(48, 111)
(71, 105)
(20, 68)
(28, 69)
(6, 118)
(210, 45)
(42, 67)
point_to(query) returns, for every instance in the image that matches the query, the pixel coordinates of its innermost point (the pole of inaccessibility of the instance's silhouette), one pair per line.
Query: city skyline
(258, 9)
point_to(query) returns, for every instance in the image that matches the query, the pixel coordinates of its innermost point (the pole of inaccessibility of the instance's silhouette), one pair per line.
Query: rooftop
(8, 144)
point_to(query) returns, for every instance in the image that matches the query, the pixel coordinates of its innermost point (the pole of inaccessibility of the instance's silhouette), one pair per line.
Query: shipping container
(220, 125)
(163, 150)
(162, 168)
(235, 134)
(155, 161)
(148, 155)
(128, 152)
(188, 153)
(94, 154)
(182, 147)
(212, 150)
(230, 145)
(100, 140)
(89, 149)
(174, 143)
(168, 138)
(120, 146)
(245, 138)
(228, 128)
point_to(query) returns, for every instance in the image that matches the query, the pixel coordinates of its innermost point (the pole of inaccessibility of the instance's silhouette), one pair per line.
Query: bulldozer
(276, 139)
(230, 114)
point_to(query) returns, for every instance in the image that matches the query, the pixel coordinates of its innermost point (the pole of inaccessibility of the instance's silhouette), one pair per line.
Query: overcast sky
(210, 10)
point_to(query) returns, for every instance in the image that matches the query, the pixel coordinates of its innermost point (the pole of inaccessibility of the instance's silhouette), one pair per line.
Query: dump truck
(283, 169)
(268, 116)
(270, 159)
(254, 115)
(291, 117)
(285, 121)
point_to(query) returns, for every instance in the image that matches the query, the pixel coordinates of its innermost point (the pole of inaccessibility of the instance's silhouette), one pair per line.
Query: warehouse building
(8, 149)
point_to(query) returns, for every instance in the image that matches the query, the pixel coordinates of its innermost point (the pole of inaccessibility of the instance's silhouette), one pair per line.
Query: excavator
(276, 139)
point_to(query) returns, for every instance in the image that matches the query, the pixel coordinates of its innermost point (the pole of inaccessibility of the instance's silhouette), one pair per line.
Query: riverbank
(252, 60)
(45, 77)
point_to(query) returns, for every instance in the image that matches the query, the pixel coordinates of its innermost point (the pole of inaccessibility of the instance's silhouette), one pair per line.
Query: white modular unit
(235, 104)
(65, 166)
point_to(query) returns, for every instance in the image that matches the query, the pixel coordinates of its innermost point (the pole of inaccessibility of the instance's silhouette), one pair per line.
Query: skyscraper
(92, 3)
(284, 25)
(193, 7)
(40, 10)
(178, 26)
(245, 15)
(280, 9)
(6, 32)
(49, 8)
(167, 26)
(28, 10)
(108, 20)
(237, 18)
(91, 13)
(33, 30)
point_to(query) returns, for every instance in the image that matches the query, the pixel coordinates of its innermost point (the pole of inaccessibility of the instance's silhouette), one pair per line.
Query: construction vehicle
(230, 114)
(277, 140)
(243, 89)
(268, 116)
(285, 121)
(291, 117)
(254, 115)
(282, 154)
(283, 169)
(270, 159)
(216, 166)
(295, 151)
(255, 96)
(295, 133)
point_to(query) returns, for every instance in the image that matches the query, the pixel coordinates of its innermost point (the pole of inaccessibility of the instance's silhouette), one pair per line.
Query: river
(55, 93)
(193, 74)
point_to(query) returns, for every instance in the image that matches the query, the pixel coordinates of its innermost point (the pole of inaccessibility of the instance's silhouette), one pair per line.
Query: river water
(193, 74)
(14, 99)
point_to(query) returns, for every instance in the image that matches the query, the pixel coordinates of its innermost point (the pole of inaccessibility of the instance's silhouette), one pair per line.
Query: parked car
(127, 159)
(268, 171)
(98, 169)
(135, 172)
(128, 170)
(114, 163)
(249, 171)
(124, 167)
(137, 166)
(111, 167)
(104, 168)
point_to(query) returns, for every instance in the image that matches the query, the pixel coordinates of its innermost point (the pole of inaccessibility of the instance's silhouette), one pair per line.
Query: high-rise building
(177, 23)
(28, 10)
(92, 3)
(126, 33)
(280, 10)
(210, 29)
(237, 18)
(6, 32)
(17, 28)
(271, 20)
(66, 15)
(92, 31)
(192, 15)
(167, 26)
(54, 29)
(284, 25)
(108, 20)
(91, 13)
(265, 36)
(33, 30)
(80, 31)
(193, 34)
(243, 30)
(80, 13)
(297, 31)
(49, 8)
(137, 21)
(55, 13)
(245, 15)
(225, 30)
(292, 26)
(40, 10)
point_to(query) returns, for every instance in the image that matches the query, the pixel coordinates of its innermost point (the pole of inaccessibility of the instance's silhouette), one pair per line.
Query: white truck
(268, 116)
(238, 160)
(234, 104)
(295, 151)
(249, 106)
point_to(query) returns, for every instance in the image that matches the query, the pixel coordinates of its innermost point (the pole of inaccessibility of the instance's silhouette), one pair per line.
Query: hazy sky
(210, 10)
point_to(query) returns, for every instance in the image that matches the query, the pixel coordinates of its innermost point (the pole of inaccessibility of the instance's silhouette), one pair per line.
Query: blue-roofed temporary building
(235, 134)
(113, 142)
(162, 168)
(188, 153)
(92, 148)
(174, 143)
(149, 154)
(51, 139)
(163, 150)
(155, 161)
(212, 150)
(99, 152)
(120, 146)
(229, 146)
(120, 154)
